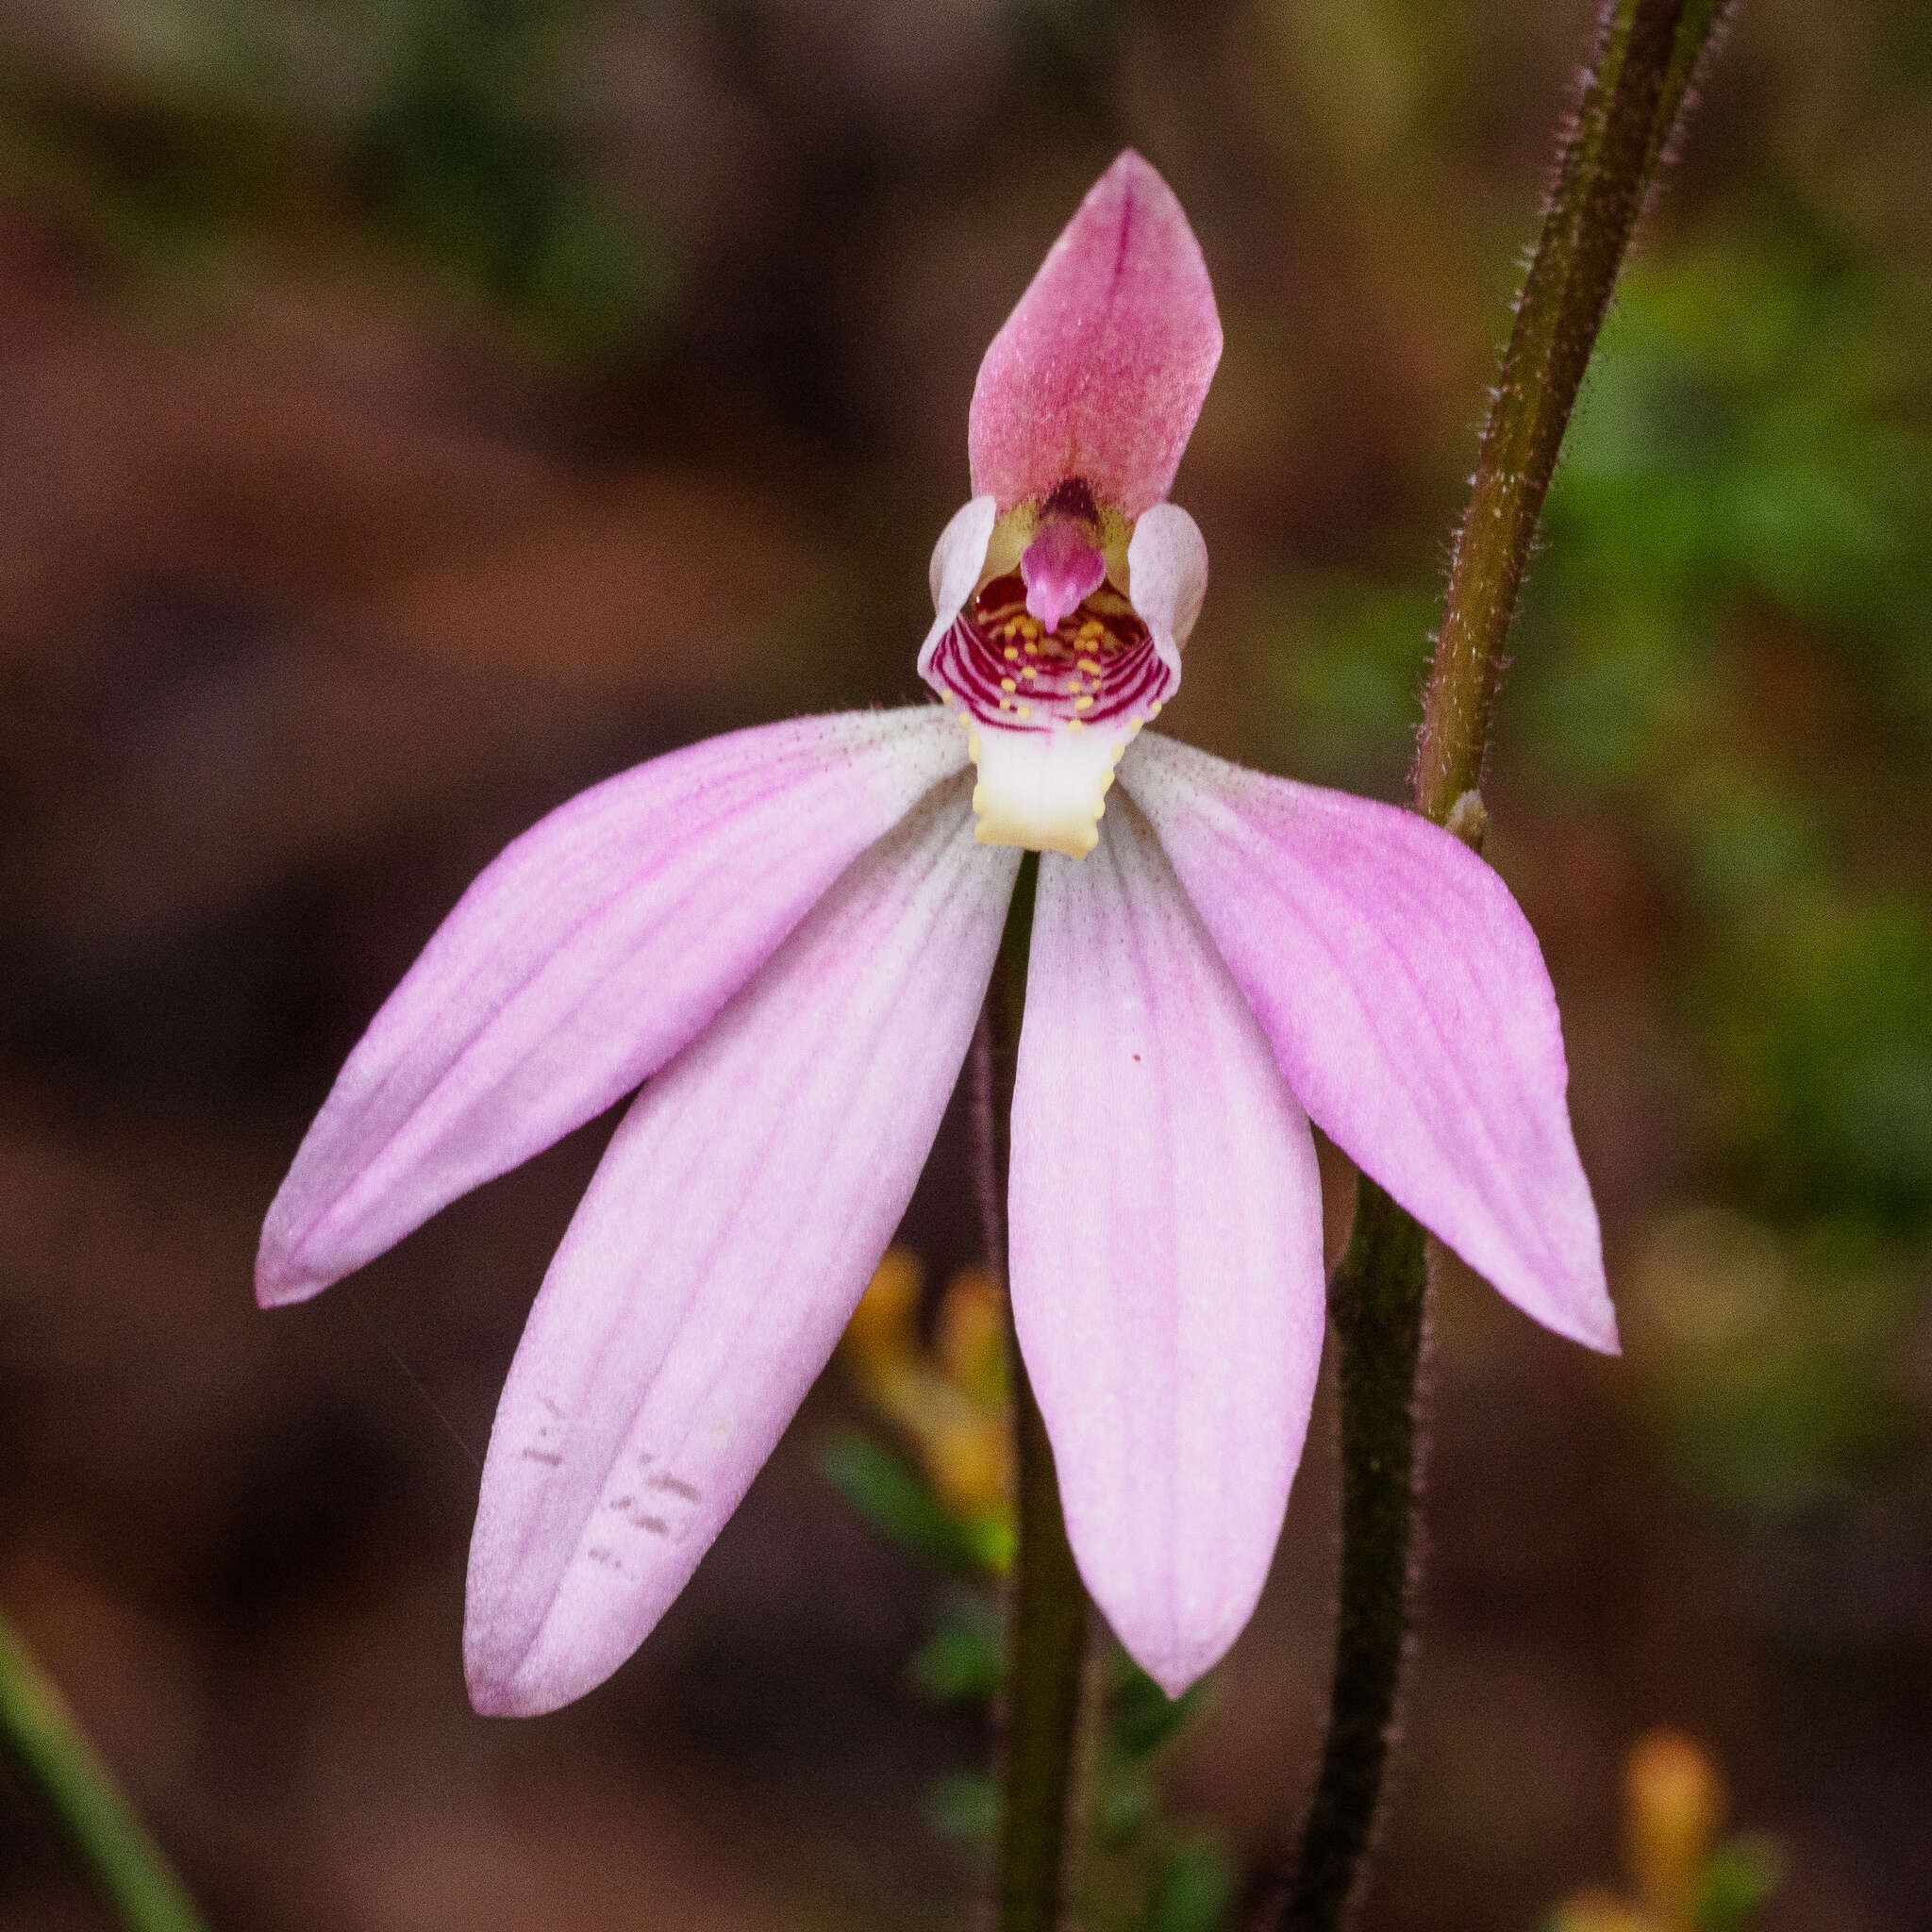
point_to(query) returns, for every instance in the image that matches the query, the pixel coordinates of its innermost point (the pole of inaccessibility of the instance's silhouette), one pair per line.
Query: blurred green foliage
(1739, 1882)
(1726, 651)
(1729, 649)
(457, 156)
(1146, 1874)
(435, 127)
(894, 1497)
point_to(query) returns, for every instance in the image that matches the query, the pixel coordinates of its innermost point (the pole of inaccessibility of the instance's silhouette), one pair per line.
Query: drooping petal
(727, 1236)
(1167, 578)
(1166, 1251)
(1101, 370)
(954, 573)
(580, 961)
(1409, 1007)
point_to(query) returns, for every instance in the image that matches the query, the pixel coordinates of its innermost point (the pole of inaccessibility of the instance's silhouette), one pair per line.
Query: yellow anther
(1032, 649)
(1007, 684)
(1013, 654)
(1089, 666)
(1025, 710)
(1075, 724)
(1083, 704)
(1027, 670)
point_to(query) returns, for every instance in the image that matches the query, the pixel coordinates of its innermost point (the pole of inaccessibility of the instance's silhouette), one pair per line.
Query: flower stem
(1631, 105)
(1376, 1302)
(1047, 1630)
(54, 1753)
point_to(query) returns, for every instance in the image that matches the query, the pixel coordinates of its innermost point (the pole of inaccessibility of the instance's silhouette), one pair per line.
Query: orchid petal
(1101, 370)
(1409, 1007)
(589, 953)
(1167, 578)
(1166, 1253)
(957, 559)
(728, 1234)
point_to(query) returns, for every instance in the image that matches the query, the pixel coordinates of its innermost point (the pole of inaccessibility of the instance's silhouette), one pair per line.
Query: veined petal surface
(1166, 1228)
(592, 950)
(729, 1232)
(1409, 1007)
(1101, 370)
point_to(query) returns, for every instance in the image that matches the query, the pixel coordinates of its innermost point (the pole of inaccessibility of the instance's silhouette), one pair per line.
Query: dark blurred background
(412, 410)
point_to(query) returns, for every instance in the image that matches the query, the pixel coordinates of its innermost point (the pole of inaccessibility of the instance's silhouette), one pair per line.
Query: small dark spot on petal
(548, 1456)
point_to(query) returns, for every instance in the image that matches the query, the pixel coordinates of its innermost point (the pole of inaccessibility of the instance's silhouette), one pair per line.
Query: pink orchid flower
(784, 936)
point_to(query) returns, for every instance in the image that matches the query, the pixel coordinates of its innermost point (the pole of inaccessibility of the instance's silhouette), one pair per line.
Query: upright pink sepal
(1102, 368)
(1409, 1007)
(1059, 568)
(586, 956)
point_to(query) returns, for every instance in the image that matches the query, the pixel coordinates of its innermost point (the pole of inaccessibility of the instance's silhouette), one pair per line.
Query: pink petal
(586, 956)
(1409, 1007)
(1167, 1252)
(954, 573)
(1167, 579)
(1102, 368)
(1059, 568)
(727, 1236)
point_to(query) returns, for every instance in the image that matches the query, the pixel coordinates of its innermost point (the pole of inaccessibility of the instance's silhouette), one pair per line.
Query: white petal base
(1045, 790)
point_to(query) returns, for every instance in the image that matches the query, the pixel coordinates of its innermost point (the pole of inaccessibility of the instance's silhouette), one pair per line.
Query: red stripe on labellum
(1098, 665)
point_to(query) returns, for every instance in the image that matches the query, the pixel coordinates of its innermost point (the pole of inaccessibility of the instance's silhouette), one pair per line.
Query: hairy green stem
(1615, 137)
(1647, 56)
(47, 1743)
(1046, 1628)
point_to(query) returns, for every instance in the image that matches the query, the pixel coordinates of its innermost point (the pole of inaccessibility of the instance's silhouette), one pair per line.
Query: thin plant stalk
(1627, 118)
(53, 1752)
(1046, 1627)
